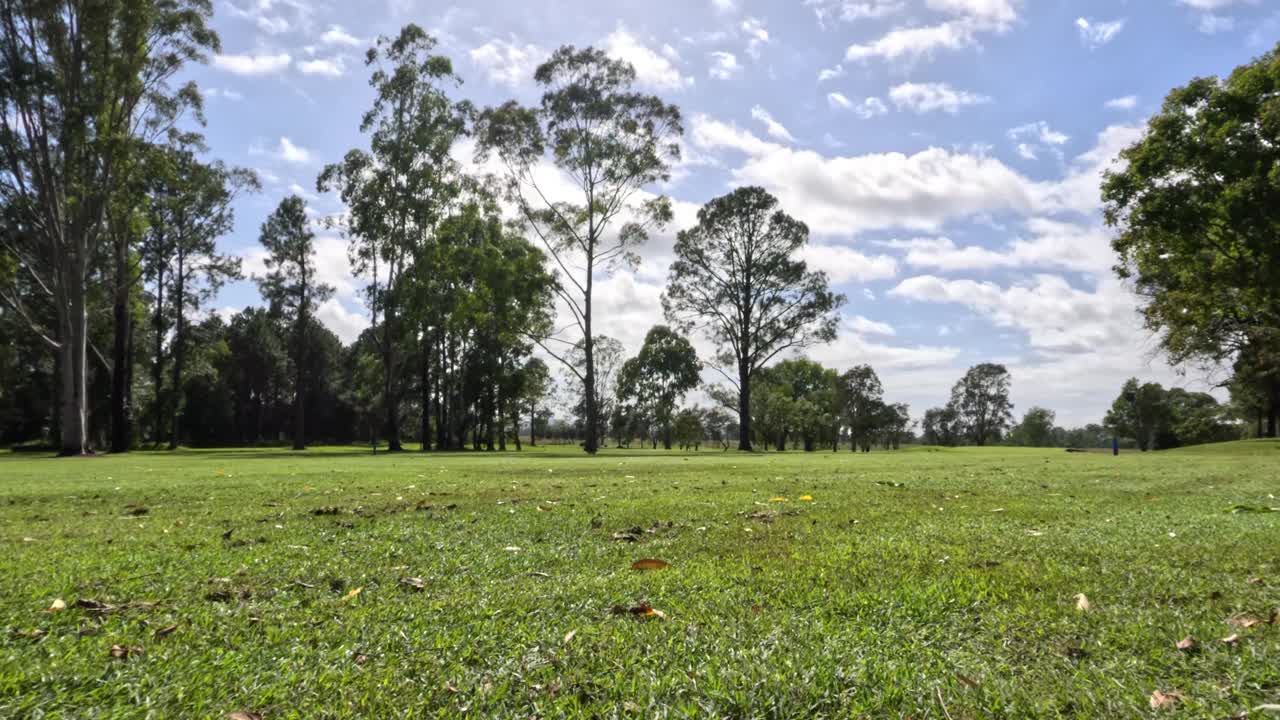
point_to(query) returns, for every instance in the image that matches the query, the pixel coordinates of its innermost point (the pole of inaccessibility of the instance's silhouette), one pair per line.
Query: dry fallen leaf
(1231, 639)
(414, 583)
(1082, 602)
(351, 595)
(641, 610)
(123, 652)
(57, 605)
(1188, 644)
(166, 631)
(87, 604)
(1245, 621)
(569, 636)
(650, 564)
(243, 715)
(1164, 700)
(1257, 581)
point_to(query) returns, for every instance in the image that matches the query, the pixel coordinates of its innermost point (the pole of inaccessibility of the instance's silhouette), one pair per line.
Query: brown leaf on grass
(967, 681)
(627, 536)
(327, 510)
(57, 605)
(1257, 581)
(1082, 602)
(1161, 700)
(650, 564)
(34, 634)
(218, 596)
(124, 652)
(1245, 621)
(569, 636)
(642, 610)
(414, 583)
(360, 658)
(243, 715)
(165, 631)
(1188, 644)
(1231, 640)
(352, 594)
(93, 605)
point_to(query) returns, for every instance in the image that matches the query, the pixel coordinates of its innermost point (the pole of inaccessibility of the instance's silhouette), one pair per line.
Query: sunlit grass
(930, 584)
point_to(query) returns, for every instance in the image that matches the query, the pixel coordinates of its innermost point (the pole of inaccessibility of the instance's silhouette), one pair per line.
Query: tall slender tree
(613, 142)
(80, 80)
(398, 190)
(291, 288)
(737, 279)
(981, 400)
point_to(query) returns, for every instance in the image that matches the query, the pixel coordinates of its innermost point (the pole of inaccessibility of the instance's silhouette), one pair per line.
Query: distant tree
(861, 395)
(608, 363)
(737, 279)
(895, 424)
(535, 388)
(611, 141)
(981, 401)
(719, 426)
(811, 389)
(665, 369)
(1196, 206)
(291, 289)
(1035, 430)
(941, 426)
(689, 429)
(1139, 413)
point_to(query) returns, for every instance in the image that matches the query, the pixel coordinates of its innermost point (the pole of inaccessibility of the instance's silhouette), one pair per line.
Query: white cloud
(1052, 244)
(724, 65)
(830, 73)
(252, 65)
(843, 264)
(344, 323)
(507, 62)
(224, 94)
(757, 35)
(924, 98)
(914, 43)
(652, 68)
(993, 12)
(863, 326)
(724, 6)
(1128, 102)
(773, 127)
(1214, 4)
(1211, 24)
(337, 35)
(286, 150)
(327, 67)
(1031, 138)
(867, 109)
(1096, 33)
(851, 10)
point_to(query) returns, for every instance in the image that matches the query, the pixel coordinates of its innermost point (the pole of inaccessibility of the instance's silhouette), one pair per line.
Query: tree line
(110, 212)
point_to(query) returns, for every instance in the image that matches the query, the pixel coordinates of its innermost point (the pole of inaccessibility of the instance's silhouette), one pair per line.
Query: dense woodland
(111, 210)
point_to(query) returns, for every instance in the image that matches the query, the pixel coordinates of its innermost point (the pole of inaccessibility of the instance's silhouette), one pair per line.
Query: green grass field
(922, 583)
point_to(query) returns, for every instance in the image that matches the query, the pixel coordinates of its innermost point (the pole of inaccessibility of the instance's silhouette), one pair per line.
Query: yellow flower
(806, 498)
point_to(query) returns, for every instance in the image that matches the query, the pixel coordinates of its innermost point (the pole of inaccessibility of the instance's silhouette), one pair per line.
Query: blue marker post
(1115, 446)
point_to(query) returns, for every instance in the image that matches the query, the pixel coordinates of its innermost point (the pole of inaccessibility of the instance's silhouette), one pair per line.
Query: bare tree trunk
(179, 352)
(424, 381)
(121, 354)
(389, 397)
(74, 351)
(299, 382)
(591, 443)
(744, 407)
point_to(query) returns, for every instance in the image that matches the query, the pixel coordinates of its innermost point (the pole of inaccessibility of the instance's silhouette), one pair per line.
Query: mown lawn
(929, 584)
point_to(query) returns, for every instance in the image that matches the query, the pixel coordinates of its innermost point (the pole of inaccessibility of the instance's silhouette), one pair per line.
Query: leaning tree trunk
(591, 443)
(389, 398)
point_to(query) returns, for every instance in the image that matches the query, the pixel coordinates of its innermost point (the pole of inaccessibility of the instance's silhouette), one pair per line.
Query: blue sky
(945, 153)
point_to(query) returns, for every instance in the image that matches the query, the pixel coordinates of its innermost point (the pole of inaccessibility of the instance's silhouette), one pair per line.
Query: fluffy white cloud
(862, 325)
(1096, 33)
(724, 6)
(252, 65)
(991, 12)
(773, 127)
(1050, 244)
(286, 150)
(924, 98)
(724, 65)
(1128, 102)
(346, 324)
(507, 62)
(844, 264)
(326, 67)
(653, 69)
(914, 43)
(337, 35)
